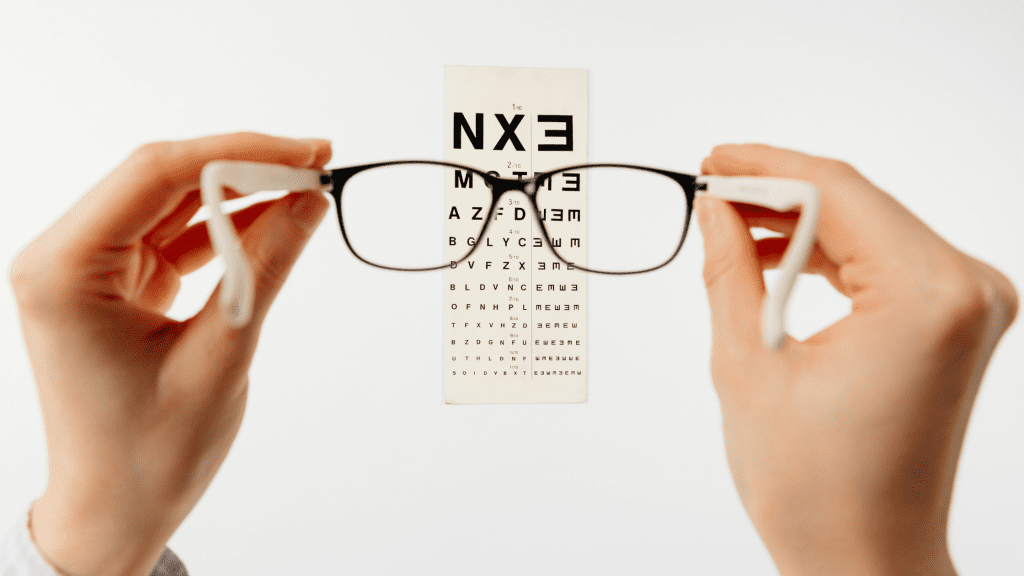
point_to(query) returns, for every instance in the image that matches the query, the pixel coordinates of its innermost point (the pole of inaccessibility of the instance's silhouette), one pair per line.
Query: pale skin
(843, 447)
(140, 410)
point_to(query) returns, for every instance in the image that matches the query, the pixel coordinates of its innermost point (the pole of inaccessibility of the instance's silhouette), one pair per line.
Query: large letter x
(510, 132)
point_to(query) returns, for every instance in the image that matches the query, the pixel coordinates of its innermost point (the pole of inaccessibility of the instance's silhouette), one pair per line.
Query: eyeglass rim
(338, 177)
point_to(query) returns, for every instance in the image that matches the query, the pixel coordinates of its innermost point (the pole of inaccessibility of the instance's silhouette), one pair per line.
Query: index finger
(858, 222)
(150, 183)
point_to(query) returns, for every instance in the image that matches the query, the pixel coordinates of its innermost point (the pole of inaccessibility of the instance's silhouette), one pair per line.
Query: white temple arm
(238, 290)
(780, 195)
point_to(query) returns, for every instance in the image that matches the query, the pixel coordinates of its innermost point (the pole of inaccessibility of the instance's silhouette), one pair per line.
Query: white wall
(348, 458)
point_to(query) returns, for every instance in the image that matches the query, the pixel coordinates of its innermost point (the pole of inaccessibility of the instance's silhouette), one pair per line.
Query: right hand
(844, 447)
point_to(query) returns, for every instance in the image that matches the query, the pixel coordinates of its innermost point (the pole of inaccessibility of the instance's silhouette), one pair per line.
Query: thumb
(273, 243)
(733, 277)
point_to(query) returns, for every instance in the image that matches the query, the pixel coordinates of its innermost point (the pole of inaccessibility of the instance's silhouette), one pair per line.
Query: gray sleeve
(169, 565)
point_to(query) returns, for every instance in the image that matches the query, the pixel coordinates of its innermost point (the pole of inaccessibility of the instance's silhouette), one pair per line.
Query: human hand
(844, 447)
(140, 410)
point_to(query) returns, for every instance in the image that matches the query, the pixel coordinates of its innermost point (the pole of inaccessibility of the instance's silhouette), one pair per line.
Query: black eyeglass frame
(237, 294)
(531, 187)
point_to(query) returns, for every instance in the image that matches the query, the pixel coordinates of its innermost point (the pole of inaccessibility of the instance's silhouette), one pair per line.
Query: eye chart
(515, 315)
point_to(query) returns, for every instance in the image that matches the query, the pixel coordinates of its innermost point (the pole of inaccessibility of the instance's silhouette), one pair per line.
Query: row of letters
(508, 134)
(537, 243)
(570, 180)
(557, 214)
(538, 342)
(522, 287)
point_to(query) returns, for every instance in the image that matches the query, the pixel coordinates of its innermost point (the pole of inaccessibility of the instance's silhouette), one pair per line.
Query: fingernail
(307, 209)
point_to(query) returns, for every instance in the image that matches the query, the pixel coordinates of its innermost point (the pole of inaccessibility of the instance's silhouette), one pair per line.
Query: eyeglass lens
(395, 216)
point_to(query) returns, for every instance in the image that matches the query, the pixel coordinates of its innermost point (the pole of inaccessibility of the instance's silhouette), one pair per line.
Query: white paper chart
(515, 314)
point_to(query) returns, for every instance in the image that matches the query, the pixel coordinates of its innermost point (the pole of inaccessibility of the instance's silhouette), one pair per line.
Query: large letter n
(462, 124)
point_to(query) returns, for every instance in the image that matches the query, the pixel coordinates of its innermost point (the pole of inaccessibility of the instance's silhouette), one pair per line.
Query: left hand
(140, 410)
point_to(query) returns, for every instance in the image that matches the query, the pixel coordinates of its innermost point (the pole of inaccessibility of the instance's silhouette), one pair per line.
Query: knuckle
(844, 168)
(245, 140)
(36, 286)
(960, 298)
(1001, 293)
(160, 163)
(999, 297)
(151, 154)
(20, 276)
(246, 135)
(835, 169)
(1011, 300)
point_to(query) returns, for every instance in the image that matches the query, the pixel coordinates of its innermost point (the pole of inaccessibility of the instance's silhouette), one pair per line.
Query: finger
(756, 160)
(860, 227)
(771, 250)
(754, 211)
(734, 281)
(759, 217)
(174, 223)
(273, 243)
(192, 249)
(147, 187)
(1001, 297)
(156, 290)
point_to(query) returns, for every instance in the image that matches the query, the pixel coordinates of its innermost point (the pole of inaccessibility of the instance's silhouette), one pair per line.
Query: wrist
(86, 540)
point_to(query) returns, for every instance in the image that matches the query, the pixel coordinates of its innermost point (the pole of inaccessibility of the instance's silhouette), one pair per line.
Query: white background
(348, 460)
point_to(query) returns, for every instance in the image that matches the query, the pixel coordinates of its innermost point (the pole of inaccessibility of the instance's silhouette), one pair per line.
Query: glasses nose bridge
(526, 187)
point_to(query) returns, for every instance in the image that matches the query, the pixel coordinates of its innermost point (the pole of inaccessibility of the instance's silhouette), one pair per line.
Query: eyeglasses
(598, 218)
